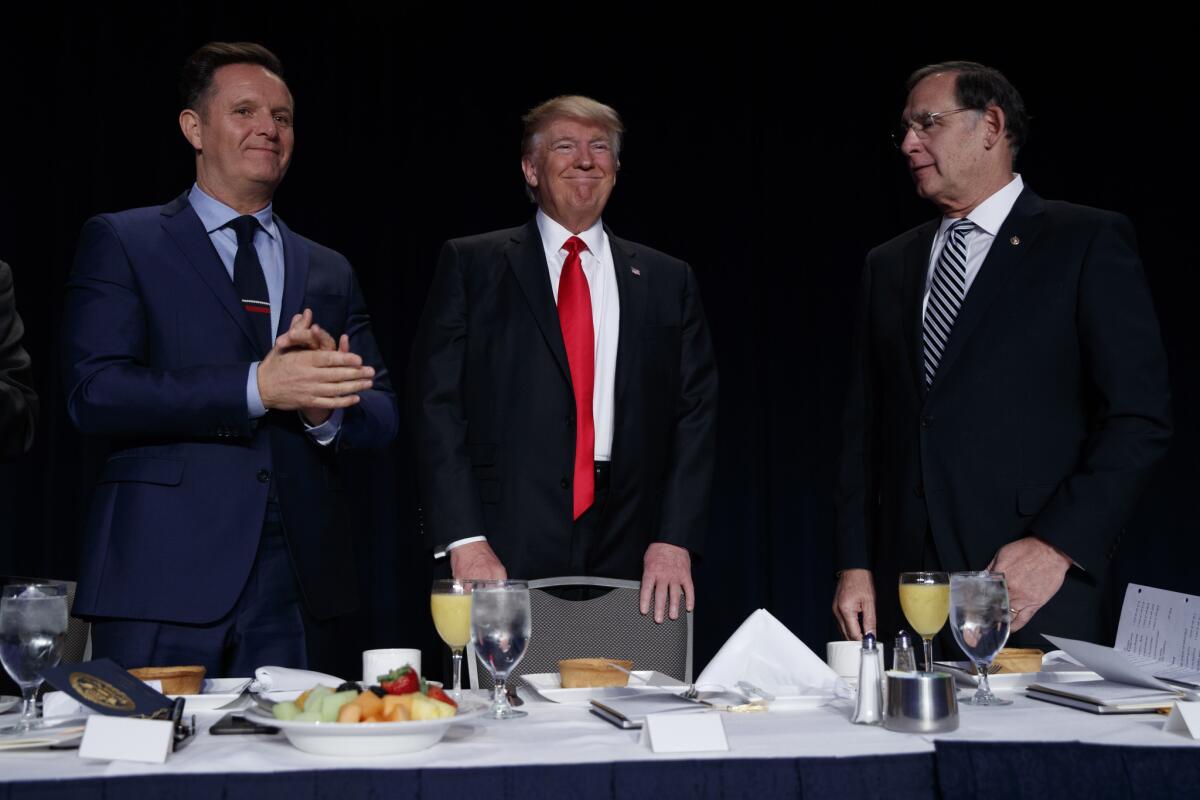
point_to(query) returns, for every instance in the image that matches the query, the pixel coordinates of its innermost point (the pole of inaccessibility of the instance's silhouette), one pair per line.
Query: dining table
(1027, 749)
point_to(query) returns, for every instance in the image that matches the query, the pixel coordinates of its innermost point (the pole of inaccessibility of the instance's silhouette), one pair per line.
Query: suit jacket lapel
(916, 269)
(631, 293)
(527, 260)
(184, 227)
(1022, 226)
(295, 275)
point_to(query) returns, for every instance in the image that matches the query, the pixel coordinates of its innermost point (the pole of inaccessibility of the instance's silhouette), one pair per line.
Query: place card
(685, 733)
(1185, 719)
(127, 739)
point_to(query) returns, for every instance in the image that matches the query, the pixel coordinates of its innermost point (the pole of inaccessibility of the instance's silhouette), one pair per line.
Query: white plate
(369, 738)
(7, 701)
(215, 693)
(1011, 681)
(549, 686)
(64, 732)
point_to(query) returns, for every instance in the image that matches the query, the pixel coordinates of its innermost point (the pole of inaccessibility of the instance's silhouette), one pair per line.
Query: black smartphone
(232, 723)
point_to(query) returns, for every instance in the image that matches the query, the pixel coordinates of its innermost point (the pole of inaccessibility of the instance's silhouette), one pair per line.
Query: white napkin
(285, 679)
(765, 653)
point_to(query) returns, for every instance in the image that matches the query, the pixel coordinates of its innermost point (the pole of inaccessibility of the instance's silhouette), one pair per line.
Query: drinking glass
(925, 599)
(33, 628)
(500, 625)
(450, 603)
(979, 620)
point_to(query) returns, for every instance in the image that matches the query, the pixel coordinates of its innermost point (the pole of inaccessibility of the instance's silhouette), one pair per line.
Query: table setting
(770, 695)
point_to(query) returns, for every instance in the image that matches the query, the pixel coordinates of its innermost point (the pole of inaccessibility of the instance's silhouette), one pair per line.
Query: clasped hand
(307, 371)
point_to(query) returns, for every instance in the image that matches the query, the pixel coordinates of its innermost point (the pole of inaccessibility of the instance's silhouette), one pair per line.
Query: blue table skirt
(957, 770)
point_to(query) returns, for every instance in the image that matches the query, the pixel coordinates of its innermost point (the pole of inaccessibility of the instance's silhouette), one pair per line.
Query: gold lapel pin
(1014, 241)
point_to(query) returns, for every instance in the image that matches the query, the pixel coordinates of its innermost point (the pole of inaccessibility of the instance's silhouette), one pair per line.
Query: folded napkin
(285, 679)
(765, 653)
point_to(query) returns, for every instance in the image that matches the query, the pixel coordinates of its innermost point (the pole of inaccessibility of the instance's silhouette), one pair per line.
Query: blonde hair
(571, 106)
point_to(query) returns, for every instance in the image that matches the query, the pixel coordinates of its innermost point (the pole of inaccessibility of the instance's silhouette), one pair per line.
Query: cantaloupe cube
(349, 713)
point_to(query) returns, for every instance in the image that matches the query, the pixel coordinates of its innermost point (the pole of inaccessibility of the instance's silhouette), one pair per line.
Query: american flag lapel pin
(636, 271)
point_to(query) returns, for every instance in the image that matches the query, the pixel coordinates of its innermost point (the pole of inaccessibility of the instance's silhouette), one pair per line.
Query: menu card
(1160, 632)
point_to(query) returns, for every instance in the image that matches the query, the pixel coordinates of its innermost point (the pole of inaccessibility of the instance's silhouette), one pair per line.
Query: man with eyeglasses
(1009, 394)
(563, 385)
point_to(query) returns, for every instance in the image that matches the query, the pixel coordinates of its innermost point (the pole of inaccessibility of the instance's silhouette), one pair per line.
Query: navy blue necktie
(250, 283)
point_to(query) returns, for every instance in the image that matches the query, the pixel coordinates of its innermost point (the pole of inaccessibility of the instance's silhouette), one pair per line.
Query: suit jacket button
(263, 476)
(920, 490)
(926, 421)
(564, 483)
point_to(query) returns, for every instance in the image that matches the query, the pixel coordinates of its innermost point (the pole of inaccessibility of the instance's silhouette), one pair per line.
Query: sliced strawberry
(436, 693)
(400, 681)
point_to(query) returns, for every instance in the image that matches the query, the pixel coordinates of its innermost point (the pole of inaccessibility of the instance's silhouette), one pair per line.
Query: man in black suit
(1009, 392)
(18, 403)
(563, 386)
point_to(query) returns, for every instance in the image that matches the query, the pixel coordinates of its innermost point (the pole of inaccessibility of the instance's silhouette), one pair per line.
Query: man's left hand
(1034, 572)
(307, 335)
(666, 570)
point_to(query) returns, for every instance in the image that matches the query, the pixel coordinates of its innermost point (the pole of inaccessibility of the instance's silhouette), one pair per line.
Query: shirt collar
(215, 215)
(991, 213)
(554, 235)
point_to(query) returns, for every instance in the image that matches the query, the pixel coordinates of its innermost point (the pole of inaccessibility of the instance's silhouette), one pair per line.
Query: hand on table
(666, 571)
(1034, 572)
(855, 595)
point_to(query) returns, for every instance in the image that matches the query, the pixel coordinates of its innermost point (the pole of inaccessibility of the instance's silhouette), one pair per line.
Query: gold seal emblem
(101, 692)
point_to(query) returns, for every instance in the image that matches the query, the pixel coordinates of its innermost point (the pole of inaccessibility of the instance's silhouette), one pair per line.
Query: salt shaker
(903, 658)
(869, 708)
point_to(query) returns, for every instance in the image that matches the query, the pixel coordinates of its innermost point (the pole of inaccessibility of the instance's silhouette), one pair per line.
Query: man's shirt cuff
(327, 431)
(440, 552)
(254, 403)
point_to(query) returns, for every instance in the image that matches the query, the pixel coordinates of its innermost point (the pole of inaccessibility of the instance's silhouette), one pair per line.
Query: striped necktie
(946, 295)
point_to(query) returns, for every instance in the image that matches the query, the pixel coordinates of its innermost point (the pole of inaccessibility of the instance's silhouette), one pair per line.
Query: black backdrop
(757, 150)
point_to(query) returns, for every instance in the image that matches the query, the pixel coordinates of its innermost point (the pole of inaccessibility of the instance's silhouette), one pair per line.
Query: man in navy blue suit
(228, 361)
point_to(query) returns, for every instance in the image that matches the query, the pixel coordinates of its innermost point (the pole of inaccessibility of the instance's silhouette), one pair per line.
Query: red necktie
(575, 316)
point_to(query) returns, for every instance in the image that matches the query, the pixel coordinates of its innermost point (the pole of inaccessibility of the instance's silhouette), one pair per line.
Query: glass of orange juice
(450, 603)
(925, 600)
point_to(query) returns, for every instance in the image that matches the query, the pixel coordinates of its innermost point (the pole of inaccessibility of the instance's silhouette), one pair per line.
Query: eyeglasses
(921, 125)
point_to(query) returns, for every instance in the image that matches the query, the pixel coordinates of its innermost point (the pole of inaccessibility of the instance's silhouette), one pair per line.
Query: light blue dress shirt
(215, 216)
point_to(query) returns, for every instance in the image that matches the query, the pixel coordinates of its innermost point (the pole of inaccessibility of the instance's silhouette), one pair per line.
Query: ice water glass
(500, 629)
(33, 628)
(979, 620)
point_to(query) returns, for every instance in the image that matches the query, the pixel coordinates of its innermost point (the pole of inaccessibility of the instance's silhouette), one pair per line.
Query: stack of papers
(1156, 660)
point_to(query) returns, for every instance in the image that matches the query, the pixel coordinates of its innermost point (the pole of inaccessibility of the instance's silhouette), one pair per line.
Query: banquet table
(1028, 749)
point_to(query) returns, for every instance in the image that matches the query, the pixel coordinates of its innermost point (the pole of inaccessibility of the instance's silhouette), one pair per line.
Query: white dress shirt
(601, 276)
(988, 216)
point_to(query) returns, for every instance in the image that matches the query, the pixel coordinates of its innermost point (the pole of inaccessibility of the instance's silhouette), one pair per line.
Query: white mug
(381, 662)
(843, 658)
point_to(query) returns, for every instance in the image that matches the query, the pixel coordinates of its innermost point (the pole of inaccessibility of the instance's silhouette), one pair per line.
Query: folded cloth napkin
(765, 653)
(285, 679)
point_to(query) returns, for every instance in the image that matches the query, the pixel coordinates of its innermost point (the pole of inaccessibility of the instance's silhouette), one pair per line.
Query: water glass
(979, 619)
(500, 629)
(33, 629)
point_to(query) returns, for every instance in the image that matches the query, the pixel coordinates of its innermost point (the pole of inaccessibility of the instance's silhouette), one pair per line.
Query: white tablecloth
(557, 734)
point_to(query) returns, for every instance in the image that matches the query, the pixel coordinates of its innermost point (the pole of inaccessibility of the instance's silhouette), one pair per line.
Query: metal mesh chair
(78, 645)
(608, 626)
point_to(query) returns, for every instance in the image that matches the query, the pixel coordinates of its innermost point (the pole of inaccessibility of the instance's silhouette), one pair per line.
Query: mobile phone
(233, 723)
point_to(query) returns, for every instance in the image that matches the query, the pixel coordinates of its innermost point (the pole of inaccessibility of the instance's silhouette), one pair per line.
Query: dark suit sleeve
(112, 390)
(18, 403)
(373, 422)
(451, 507)
(1126, 367)
(689, 472)
(854, 494)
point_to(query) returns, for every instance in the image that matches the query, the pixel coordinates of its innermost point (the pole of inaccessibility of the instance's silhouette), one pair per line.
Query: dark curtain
(756, 150)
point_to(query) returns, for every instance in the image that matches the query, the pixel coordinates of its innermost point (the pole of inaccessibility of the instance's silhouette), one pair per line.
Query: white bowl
(369, 738)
